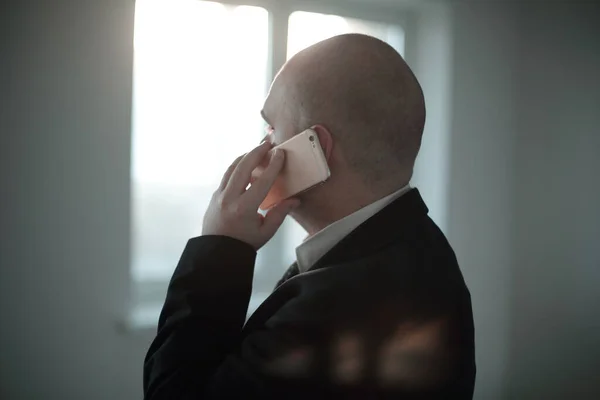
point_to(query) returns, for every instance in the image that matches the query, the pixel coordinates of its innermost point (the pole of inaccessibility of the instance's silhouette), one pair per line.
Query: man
(375, 306)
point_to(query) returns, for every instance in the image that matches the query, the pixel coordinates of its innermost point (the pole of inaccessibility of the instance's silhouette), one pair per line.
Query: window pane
(200, 71)
(306, 29)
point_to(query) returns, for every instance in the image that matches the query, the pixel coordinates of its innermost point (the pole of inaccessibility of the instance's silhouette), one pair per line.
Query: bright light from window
(200, 73)
(306, 29)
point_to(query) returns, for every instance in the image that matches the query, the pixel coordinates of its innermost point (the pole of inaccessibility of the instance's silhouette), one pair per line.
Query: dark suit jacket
(384, 314)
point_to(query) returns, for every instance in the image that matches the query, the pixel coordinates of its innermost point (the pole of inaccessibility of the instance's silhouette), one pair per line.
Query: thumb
(277, 214)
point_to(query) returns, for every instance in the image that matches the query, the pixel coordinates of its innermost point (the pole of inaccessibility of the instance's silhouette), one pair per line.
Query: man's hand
(233, 210)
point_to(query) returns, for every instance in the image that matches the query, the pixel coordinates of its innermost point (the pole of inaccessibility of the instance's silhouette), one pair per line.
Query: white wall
(555, 330)
(429, 53)
(522, 207)
(64, 179)
(481, 176)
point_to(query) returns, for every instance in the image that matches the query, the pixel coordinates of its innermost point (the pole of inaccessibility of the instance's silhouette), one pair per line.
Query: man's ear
(325, 138)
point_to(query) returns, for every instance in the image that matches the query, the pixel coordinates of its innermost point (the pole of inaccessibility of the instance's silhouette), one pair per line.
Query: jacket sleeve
(202, 317)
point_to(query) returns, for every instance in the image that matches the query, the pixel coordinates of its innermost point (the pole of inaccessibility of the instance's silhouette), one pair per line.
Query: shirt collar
(316, 246)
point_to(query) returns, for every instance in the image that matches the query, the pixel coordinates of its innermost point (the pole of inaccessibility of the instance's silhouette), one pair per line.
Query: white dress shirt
(315, 247)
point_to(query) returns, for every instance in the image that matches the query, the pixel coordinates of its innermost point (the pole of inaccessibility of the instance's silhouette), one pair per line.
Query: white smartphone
(305, 166)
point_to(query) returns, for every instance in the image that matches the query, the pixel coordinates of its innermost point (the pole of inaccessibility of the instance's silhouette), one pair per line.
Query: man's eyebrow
(262, 113)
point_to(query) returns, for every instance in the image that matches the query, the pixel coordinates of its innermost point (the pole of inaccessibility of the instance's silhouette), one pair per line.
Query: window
(197, 65)
(201, 72)
(302, 32)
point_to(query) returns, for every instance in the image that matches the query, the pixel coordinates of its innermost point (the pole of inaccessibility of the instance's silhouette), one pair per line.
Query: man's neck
(318, 220)
(315, 218)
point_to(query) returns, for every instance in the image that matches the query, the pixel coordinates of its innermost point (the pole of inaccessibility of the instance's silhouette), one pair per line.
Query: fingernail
(276, 153)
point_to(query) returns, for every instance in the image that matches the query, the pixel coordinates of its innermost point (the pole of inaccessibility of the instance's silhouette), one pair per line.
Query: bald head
(363, 92)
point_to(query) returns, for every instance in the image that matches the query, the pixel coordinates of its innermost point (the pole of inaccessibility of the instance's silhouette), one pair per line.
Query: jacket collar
(394, 222)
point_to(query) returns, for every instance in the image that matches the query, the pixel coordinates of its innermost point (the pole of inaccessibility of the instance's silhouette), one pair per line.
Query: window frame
(147, 295)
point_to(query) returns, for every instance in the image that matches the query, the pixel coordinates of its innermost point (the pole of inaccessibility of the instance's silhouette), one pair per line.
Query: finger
(276, 215)
(241, 174)
(229, 171)
(261, 186)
